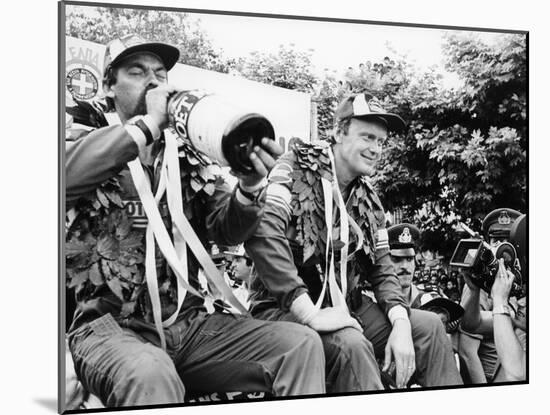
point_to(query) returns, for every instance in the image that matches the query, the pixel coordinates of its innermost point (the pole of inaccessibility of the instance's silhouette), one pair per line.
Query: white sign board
(288, 111)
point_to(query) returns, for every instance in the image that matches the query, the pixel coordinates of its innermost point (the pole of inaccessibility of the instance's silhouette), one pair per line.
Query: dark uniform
(403, 239)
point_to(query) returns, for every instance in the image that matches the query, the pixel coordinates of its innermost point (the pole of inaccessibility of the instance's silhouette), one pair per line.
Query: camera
(482, 260)
(223, 130)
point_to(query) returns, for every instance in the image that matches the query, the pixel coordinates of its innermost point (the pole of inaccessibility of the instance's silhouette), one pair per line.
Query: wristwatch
(249, 195)
(502, 309)
(148, 128)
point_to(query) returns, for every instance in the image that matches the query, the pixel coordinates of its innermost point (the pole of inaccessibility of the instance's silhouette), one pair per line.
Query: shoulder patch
(382, 239)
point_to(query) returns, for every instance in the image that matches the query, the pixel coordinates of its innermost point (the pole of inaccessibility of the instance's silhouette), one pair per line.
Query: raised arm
(508, 346)
(474, 320)
(232, 219)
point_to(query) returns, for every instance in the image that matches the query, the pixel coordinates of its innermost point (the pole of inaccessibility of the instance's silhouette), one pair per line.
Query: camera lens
(507, 252)
(486, 256)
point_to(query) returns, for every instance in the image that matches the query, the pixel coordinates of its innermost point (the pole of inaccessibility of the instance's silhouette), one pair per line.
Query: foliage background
(465, 152)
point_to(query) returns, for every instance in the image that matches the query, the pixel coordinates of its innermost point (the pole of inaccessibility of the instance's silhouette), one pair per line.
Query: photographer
(137, 340)
(486, 347)
(499, 323)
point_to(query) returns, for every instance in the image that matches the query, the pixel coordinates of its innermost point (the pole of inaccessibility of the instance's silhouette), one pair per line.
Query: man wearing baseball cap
(240, 272)
(322, 234)
(448, 311)
(141, 329)
(240, 267)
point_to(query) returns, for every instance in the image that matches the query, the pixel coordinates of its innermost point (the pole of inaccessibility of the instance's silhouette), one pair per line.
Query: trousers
(351, 357)
(123, 364)
(434, 356)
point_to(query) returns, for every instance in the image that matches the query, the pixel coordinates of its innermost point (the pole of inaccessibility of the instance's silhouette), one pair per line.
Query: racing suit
(116, 353)
(287, 268)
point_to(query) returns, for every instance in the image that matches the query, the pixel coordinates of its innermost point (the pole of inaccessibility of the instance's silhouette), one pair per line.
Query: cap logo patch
(360, 105)
(405, 236)
(504, 218)
(132, 40)
(375, 106)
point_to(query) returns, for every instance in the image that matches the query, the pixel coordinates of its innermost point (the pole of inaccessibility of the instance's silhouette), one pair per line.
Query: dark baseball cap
(121, 48)
(433, 299)
(238, 252)
(365, 106)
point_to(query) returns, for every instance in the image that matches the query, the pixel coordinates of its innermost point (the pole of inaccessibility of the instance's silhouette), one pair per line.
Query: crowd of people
(306, 291)
(447, 282)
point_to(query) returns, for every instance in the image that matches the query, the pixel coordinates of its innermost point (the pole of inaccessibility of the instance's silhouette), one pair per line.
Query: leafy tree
(495, 77)
(326, 99)
(288, 68)
(465, 152)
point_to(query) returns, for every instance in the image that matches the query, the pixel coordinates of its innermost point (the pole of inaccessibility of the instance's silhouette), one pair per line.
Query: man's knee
(292, 347)
(301, 338)
(349, 343)
(351, 364)
(426, 324)
(312, 339)
(150, 378)
(151, 364)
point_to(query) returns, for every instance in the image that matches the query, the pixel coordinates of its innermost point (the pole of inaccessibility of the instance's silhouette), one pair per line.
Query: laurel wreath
(307, 202)
(102, 249)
